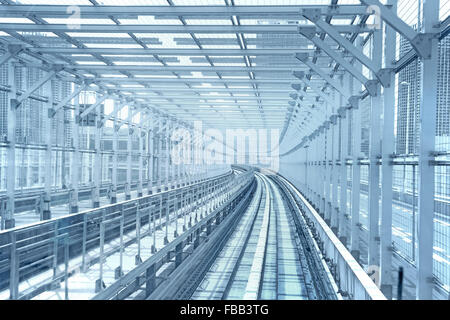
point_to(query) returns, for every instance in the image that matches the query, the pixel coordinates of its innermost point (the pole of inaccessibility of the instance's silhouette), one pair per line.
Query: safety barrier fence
(30, 250)
(352, 281)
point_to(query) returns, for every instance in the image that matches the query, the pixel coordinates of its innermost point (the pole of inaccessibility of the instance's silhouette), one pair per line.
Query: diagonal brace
(13, 50)
(94, 106)
(421, 42)
(309, 32)
(68, 98)
(381, 74)
(304, 57)
(301, 75)
(37, 85)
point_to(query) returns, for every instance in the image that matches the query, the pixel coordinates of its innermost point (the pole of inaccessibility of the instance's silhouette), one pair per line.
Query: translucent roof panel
(198, 62)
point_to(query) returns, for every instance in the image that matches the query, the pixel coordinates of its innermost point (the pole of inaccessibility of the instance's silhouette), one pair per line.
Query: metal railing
(30, 250)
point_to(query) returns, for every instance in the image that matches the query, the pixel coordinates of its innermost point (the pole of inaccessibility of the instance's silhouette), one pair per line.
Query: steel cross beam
(304, 57)
(382, 74)
(130, 104)
(11, 51)
(122, 28)
(214, 11)
(193, 68)
(66, 100)
(236, 91)
(309, 32)
(37, 85)
(301, 75)
(94, 106)
(168, 52)
(421, 42)
(191, 80)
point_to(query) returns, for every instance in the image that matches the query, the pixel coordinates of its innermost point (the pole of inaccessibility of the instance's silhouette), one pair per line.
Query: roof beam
(66, 100)
(301, 75)
(193, 81)
(171, 51)
(94, 106)
(140, 28)
(309, 32)
(15, 10)
(304, 57)
(421, 42)
(382, 74)
(159, 69)
(37, 85)
(11, 51)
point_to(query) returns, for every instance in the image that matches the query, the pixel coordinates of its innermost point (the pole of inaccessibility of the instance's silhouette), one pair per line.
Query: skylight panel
(156, 76)
(209, 21)
(215, 35)
(218, 46)
(142, 63)
(198, 2)
(98, 35)
(150, 20)
(78, 21)
(15, 20)
(112, 45)
(230, 64)
(57, 2)
(134, 2)
(91, 62)
(113, 76)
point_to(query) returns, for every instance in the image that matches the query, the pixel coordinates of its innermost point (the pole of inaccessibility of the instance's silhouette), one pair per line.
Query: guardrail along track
(28, 251)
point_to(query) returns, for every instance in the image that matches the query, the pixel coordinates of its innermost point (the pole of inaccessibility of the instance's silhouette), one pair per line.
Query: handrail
(82, 227)
(38, 223)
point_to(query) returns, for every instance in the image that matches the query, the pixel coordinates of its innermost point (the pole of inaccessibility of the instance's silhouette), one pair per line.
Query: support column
(129, 153)
(374, 155)
(322, 169)
(159, 153)
(356, 168)
(335, 173)
(427, 133)
(328, 183)
(75, 169)
(141, 135)
(151, 153)
(113, 194)
(166, 155)
(388, 149)
(343, 179)
(97, 160)
(9, 221)
(46, 213)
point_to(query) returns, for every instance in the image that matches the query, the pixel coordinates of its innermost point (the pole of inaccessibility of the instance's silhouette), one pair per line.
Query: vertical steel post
(374, 155)
(75, 169)
(14, 268)
(113, 195)
(343, 179)
(46, 213)
(428, 112)
(356, 168)
(151, 153)
(12, 123)
(97, 159)
(388, 149)
(141, 135)
(129, 155)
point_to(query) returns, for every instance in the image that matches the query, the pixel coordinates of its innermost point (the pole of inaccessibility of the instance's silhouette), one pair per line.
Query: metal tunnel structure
(225, 149)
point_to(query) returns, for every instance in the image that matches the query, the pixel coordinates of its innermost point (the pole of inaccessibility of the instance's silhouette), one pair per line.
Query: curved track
(265, 256)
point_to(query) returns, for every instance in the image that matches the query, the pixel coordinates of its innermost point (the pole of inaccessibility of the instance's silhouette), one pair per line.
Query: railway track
(264, 254)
